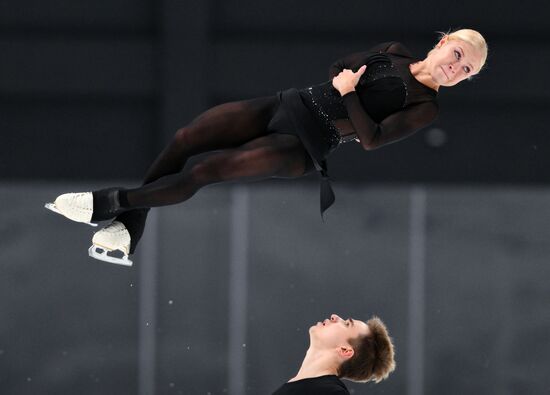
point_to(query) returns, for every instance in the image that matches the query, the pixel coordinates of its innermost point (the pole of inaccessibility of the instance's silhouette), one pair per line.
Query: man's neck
(315, 364)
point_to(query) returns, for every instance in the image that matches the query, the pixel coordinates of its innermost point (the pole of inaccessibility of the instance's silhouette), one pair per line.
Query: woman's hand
(346, 80)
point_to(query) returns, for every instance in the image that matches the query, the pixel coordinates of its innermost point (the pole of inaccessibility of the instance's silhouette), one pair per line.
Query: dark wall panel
(179, 58)
(65, 139)
(397, 16)
(79, 15)
(68, 66)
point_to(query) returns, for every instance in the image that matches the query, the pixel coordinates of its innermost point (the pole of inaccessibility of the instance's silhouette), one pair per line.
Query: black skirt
(293, 117)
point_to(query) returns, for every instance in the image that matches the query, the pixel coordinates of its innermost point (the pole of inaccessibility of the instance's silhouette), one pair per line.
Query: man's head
(364, 350)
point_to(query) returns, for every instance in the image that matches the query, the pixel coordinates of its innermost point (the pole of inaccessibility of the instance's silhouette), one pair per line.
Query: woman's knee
(205, 172)
(181, 136)
(231, 165)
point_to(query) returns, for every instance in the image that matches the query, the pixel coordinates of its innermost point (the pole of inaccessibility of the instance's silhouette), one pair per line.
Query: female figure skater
(374, 97)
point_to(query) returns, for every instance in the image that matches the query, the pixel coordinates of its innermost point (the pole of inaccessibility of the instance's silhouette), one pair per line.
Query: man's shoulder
(324, 385)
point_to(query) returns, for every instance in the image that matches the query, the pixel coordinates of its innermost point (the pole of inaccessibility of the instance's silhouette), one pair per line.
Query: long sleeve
(356, 60)
(393, 128)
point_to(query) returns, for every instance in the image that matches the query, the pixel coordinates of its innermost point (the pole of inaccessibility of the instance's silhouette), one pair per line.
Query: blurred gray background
(444, 235)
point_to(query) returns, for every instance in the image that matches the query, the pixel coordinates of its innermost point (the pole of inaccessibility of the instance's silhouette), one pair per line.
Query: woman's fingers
(349, 71)
(346, 80)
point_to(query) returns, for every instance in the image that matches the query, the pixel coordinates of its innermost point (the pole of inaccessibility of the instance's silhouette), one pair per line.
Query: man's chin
(314, 328)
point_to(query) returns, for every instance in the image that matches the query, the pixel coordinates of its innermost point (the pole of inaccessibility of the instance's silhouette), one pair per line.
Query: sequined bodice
(381, 89)
(379, 66)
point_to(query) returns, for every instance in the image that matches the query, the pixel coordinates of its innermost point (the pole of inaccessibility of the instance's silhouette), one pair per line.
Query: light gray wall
(70, 324)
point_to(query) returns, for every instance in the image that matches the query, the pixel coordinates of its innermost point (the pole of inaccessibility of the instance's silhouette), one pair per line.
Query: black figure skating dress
(388, 104)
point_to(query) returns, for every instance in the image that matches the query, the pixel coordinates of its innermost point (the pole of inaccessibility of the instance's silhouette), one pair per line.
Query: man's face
(453, 61)
(335, 332)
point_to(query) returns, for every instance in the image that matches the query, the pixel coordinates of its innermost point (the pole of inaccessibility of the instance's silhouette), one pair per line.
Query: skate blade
(94, 252)
(51, 206)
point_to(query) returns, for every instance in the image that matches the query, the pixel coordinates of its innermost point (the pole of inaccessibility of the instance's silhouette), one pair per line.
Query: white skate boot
(78, 207)
(114, 237)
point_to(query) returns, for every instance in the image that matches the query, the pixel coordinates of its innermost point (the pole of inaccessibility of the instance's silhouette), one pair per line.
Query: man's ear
(345, 352)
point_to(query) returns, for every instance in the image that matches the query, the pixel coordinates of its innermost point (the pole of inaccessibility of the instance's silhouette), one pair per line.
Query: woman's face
(453, 61)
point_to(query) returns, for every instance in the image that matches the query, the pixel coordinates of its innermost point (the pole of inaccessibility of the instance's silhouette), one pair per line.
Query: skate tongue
(101, 254)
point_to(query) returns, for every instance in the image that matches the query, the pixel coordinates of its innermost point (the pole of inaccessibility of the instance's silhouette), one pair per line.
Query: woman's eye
(457, 54)
(466, 69)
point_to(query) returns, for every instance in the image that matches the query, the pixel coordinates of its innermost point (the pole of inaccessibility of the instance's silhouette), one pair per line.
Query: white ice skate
(114, 237)
(78, 207)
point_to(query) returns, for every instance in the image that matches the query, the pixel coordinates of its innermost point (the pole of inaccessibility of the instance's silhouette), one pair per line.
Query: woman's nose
(334, 317)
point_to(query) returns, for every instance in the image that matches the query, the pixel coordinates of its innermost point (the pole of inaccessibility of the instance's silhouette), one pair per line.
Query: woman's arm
(395, 127)
(372, 135)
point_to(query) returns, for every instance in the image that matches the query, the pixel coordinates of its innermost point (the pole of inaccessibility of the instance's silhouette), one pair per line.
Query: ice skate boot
(114, 237)
(78, 207)
(88, 206)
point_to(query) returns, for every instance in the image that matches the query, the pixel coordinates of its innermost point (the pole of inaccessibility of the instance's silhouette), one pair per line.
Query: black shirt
(323, 385)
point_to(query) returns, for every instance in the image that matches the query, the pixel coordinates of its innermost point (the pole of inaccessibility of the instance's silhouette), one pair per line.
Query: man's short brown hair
(373, 355)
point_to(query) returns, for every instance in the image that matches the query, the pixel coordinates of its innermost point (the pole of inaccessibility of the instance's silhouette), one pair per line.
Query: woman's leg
(274, 155)
(224, 126)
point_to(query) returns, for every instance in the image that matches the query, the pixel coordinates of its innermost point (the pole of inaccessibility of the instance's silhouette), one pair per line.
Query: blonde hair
(373, 358)
(470, 36)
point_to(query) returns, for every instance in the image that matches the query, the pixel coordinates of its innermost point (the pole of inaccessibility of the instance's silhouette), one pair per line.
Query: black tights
(247, 151)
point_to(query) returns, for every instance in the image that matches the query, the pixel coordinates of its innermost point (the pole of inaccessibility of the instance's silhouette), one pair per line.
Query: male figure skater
(342, 349)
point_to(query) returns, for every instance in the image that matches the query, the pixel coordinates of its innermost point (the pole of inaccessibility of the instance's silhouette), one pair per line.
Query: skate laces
(113, 236)
(79, 202)
(116, 227)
